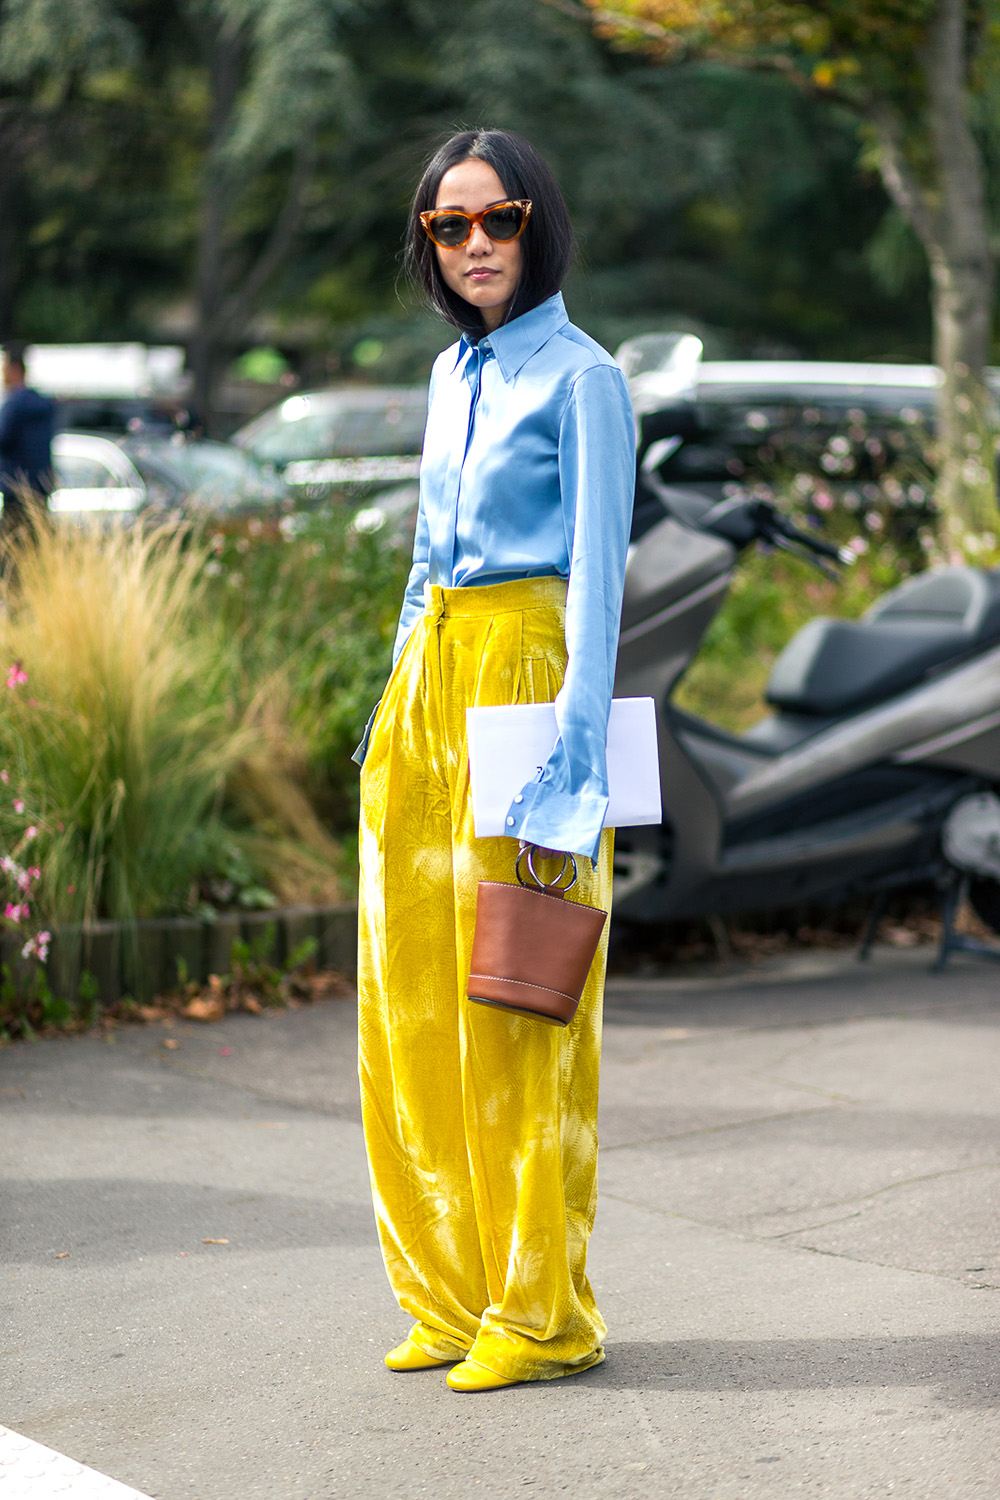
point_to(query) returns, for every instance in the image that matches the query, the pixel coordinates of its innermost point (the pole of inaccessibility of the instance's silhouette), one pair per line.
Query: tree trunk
(962, 280)
(225, 55)
(947, 209)
(962, 297)
(11, 219)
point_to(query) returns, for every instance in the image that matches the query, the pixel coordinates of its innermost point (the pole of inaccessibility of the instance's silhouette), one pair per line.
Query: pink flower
(16, 676)
(37, 947)
(31, 832)
(4, 777)
(15, 913)
(34, 872)
(71, 890)
(19, 804)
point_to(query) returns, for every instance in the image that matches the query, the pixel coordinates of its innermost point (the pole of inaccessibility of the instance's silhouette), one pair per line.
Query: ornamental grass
(138, 767)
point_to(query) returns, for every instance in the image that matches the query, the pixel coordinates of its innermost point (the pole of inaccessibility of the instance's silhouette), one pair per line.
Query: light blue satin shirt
(528, 470)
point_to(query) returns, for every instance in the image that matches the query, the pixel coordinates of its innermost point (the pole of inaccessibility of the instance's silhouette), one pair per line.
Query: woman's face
(483, 271)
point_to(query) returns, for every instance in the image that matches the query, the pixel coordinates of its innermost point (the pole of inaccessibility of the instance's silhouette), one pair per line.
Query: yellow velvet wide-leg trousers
(480, 1125)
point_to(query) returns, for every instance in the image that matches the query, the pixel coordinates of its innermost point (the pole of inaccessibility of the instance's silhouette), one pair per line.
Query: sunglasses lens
(504, 223)
(450, 229)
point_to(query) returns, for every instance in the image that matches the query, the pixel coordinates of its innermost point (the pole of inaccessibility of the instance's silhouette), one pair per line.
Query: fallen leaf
(215, 1242)
(61, 1256)
(253, 1005)
(225, 1051)
(202, 1009)
(171, 1043)
(150, 1012)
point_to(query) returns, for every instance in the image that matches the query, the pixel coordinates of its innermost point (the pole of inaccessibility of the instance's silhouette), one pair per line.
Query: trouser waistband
(494, 598)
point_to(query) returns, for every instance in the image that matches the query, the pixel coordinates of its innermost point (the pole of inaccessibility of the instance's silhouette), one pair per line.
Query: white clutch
(509, 745)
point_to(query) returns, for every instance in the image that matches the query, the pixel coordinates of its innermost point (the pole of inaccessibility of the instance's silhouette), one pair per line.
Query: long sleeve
(413, 599)
(565, 807)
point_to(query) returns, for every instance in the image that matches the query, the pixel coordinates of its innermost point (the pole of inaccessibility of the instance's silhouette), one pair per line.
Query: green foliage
(864, 481)
(121, 744)
(771, 597)
(29, 1005)
(724, 200)
(313, 600)
(252, 968)
(134, 751)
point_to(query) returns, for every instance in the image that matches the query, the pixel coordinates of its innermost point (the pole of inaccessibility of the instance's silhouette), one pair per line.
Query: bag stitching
(527, 983)
(502, 885)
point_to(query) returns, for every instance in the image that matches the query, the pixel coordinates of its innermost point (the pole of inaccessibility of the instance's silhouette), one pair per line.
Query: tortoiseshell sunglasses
(449, 228)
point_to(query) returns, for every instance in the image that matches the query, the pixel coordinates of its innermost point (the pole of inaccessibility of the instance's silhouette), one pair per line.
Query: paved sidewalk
(797, 1252)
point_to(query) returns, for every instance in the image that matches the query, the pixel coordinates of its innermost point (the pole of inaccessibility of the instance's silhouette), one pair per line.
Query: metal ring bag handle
(568, 861)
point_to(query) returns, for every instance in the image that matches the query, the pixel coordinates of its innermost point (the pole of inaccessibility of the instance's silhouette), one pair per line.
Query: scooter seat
(837, 667)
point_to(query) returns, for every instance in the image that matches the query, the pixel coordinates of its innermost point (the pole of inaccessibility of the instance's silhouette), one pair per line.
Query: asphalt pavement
(797, 1253)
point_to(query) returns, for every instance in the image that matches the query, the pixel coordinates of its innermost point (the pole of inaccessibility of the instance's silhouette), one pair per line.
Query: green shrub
(127, 751)
(311, 602)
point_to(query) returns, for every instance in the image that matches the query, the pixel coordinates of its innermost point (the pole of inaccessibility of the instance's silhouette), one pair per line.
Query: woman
(481, 1125)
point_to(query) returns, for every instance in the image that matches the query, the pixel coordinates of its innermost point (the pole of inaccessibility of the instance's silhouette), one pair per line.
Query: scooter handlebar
(780, 526)
(742, 521)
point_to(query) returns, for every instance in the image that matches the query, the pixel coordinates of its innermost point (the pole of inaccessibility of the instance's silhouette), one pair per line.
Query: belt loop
(433, 603)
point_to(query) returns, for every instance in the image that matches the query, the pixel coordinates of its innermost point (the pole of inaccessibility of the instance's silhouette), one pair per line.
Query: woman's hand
(544, 853)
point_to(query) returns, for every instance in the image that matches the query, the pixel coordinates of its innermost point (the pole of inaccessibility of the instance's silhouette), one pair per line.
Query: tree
(920, 76)
(242, 95)
(206, 165)
(278, 84)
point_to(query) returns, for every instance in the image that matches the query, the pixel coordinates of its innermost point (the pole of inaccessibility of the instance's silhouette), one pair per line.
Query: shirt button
(510, 822)
(519, 798)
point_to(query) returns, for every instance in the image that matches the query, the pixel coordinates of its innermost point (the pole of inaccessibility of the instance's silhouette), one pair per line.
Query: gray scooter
(878, 767)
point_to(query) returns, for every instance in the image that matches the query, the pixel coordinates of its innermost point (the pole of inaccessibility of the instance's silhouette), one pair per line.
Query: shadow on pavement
(963, 1366)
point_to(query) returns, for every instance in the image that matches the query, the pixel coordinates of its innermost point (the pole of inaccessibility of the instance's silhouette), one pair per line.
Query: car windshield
(337, 425)
(206, 471)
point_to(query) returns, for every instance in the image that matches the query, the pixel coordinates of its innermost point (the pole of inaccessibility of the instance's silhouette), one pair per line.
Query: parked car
(350, 435)
(94, 478)
(391, 514)
(110, 416)
(202, 474)
(99, 475)
(714, 427)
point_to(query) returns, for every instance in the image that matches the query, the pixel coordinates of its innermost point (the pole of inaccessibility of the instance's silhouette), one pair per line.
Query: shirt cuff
(570, 822)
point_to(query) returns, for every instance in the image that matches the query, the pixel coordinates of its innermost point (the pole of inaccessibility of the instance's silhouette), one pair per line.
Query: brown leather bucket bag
(532, 950)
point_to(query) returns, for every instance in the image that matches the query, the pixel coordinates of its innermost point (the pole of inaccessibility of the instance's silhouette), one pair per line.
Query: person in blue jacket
(480, 1125)
(26, 419)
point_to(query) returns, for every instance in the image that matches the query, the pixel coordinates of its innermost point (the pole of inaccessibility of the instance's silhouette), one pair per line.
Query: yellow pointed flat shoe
(409, 1356)
(469, 1376)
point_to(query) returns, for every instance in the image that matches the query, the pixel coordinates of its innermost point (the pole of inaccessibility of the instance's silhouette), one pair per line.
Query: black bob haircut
(546, 244)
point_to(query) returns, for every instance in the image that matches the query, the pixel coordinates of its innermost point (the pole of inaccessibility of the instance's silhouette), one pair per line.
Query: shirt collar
(514, 343)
